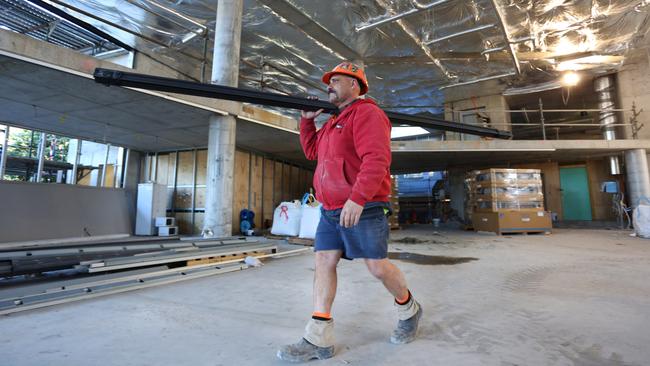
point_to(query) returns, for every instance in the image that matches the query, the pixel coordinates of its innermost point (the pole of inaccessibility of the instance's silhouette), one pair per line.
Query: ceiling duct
(604, 86)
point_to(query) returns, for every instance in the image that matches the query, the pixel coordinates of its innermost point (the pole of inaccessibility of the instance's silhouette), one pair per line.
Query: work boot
(304, 351)
(317, 343)
(407, 327)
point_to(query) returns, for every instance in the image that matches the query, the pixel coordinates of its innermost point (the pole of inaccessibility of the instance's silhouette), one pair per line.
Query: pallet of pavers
(507, 222)
(508, 201)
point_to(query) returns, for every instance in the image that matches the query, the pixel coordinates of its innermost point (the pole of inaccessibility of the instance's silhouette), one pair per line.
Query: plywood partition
(268, 204)
(601, 202)
(278, 179)
(163, 169)
(255, 192)
(260, 184)
(306, 179)
(295, 183)
(241, 186)
(286, 183)
(183, 197)
(201, 172)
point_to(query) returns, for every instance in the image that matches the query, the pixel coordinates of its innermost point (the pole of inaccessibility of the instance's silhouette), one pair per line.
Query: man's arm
(308, 134)
(309, 138)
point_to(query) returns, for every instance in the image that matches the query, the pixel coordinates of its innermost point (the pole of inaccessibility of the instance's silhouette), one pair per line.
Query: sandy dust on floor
(576, 297)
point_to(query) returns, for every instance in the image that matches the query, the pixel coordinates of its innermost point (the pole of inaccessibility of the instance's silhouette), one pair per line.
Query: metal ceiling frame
(387, 18)
(511, 48)
(460, 33)
(43, 21)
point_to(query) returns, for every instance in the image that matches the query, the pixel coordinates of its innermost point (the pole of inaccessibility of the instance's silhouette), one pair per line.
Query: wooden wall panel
(201, 166)
(183, 199)
(256, 192)
(164, 169)
(184, 222)
(305, 180)
(260, 184)
(286, 183)
(310, 180)
(267, 193)
(241, 186)
(601, 203)
(296, 187)
(185, 164)
(198, 223)
(278, 179)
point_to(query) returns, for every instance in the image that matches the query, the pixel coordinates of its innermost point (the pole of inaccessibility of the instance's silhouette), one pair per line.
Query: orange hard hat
(349, 69)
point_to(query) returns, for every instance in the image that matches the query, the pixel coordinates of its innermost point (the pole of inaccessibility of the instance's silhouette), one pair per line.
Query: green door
(576, 204)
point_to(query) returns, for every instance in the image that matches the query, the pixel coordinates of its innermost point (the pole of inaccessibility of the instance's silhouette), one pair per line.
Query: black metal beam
(120, 78)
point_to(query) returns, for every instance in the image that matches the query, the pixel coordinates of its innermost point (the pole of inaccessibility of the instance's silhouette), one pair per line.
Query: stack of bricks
(393, 220)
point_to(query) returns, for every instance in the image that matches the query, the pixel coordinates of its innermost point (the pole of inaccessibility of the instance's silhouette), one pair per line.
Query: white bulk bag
(310, 217)
(641, 218)
(286, 219)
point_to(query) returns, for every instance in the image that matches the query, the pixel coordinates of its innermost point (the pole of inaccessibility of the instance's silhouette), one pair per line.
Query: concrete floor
(577, 297)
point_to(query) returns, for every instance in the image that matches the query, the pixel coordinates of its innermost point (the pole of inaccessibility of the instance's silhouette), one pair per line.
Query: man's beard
(333, 97)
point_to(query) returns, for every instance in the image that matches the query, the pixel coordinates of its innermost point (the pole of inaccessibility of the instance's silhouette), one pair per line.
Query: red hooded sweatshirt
(353, 153)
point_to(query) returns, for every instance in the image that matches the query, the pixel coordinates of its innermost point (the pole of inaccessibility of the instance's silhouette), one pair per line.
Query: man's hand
(311, 114)
(350, 214)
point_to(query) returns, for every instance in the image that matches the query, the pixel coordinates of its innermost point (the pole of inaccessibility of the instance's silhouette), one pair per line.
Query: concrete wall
(495, 106)
(634, 88)
(39, 211)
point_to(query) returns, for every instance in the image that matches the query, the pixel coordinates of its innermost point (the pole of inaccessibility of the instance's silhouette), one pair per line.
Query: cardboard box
(168, 230)
(512, 221)
(165, 221)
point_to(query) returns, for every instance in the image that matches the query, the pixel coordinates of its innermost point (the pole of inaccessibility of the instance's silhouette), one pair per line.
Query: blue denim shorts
(368, 239)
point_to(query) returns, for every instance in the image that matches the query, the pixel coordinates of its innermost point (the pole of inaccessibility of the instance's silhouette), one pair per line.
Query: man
(352, 181)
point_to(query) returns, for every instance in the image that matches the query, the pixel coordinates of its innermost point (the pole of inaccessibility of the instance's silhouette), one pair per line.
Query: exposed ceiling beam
(314, 30)
(494, 56)
(511, 48)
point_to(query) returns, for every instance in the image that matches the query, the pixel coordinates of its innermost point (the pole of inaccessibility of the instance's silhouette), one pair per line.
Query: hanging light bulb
(570, 78)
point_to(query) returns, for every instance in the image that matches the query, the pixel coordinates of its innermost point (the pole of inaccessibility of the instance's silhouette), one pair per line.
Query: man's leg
(408, 310)
(325, 280)
(391, 276)
(318, 340)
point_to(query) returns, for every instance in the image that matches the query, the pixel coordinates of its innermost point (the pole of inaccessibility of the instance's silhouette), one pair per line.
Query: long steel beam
(127, 79)
(128, 282)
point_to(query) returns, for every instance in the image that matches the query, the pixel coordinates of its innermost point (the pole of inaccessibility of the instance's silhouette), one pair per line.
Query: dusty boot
(409, 316)
(317, 343)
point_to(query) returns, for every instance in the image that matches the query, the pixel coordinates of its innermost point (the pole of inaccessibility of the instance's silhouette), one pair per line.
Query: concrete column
(132, 166)
(638, 177)
(457, 190)
(221, 141)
